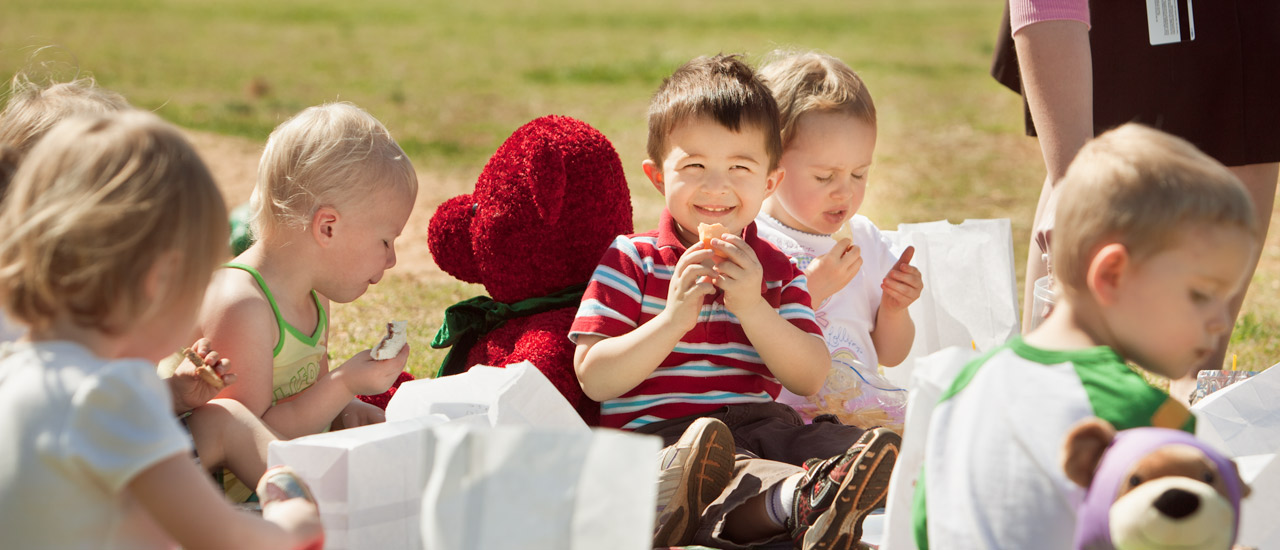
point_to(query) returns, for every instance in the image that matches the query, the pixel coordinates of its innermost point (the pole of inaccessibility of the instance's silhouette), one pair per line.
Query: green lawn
(453, 79)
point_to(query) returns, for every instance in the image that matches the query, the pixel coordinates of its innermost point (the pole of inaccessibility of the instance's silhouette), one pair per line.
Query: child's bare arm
(316, 407)
(798, 359)
(610, 367)
(180, 498)
(895, 331)
(241, 325)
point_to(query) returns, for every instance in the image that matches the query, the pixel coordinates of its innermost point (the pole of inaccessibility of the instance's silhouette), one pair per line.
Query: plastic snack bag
(855, 394)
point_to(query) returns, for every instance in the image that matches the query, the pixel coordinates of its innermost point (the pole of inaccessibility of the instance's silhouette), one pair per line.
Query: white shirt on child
(854, 390)
(76, 430)
(848, 316)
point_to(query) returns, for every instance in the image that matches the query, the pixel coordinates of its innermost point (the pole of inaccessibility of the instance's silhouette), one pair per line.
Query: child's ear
(1106, 271)
(774, 180)
(1083, 448)
(323, 224)
(654, 173)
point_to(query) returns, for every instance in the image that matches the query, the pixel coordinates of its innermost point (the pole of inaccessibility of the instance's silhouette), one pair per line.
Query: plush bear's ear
(449, 238)
(1083, 449)
(547, 180)
(1244, 487)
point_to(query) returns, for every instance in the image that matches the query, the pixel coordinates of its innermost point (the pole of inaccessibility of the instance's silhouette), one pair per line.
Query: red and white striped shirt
(714, 364)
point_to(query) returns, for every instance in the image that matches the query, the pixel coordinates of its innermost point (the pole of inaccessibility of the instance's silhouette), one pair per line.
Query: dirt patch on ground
(234, 164)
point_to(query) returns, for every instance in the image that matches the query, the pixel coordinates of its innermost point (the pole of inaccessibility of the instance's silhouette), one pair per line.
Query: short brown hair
(803, 82)
(1138, 186)
(93, 207)
(326, 155)
(723, 88)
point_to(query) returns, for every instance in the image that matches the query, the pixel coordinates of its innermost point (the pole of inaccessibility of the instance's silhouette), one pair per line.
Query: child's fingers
(905, 259)
(900, 289)
(736, 249)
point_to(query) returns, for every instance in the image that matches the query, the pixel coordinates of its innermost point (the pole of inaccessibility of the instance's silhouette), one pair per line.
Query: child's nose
(1220, 321)
(715, 183)
(391, 256)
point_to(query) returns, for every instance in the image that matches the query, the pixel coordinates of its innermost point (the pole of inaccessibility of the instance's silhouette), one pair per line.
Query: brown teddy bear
(543, 212)
(1151, 489)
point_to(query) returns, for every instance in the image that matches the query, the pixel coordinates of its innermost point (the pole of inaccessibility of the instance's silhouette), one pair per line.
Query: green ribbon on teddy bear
(466, 321)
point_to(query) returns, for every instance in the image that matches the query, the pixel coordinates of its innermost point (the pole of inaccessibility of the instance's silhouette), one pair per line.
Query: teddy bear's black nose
(1177, 503)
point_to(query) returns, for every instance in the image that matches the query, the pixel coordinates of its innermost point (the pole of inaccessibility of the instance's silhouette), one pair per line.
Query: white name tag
(1170, 21)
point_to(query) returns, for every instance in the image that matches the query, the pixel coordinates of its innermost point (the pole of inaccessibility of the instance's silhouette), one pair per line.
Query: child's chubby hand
(364, 375)
(903, 284)
(358, 413)
(830, 272)
(690, 283)
(738, 273)
(189, 386)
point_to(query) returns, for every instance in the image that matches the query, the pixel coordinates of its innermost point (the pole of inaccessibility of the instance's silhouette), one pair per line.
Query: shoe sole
(841, 525)
(707, 473)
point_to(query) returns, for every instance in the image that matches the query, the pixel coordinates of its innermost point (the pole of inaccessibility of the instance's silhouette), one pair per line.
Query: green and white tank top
(297, 356)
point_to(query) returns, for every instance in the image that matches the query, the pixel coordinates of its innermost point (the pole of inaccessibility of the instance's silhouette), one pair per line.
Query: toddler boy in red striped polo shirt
(692, 341)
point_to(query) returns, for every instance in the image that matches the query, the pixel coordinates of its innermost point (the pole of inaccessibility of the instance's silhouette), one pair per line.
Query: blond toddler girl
(860, 289)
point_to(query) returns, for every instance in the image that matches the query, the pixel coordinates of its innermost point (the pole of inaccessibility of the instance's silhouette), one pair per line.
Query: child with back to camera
(111, 229)
(691, 340)
(1153, 238)
(860, 289)
(334, 191)
(223, 432)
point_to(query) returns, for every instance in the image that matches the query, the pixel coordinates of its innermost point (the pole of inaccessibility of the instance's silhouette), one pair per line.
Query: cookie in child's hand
(392, 343)
(205, 371)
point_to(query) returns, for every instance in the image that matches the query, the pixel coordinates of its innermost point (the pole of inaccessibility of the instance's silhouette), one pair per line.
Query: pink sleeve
(1026, 12)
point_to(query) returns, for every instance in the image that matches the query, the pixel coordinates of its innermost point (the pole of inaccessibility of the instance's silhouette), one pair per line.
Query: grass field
(453, 79)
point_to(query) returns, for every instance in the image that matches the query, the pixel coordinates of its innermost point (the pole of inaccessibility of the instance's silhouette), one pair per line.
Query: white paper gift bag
(540, 489)
(1243, 421)
(933, 375)
(367, 481)
(517, 395)
(970, 296)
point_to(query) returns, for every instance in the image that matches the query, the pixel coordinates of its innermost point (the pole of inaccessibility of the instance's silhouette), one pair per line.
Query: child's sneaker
(693, 473)
(836, 494)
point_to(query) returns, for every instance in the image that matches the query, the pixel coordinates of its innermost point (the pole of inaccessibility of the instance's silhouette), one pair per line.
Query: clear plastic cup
(1042, 301)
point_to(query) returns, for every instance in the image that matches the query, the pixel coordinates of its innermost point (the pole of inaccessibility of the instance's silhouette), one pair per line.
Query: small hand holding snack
(903, 284)
(739, 273)
(199, 377)
(365, 374)
(690, 282)
(830, 272)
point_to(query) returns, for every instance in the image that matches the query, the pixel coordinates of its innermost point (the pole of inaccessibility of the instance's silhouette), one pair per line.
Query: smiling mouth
(715, 210)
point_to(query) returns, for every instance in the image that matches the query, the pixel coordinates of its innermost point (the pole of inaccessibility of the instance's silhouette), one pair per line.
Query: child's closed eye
(1199, 297)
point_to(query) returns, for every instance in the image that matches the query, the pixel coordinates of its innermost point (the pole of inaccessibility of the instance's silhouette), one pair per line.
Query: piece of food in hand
(392, 343)
(205, 371)
(845, 232)
(708, 231)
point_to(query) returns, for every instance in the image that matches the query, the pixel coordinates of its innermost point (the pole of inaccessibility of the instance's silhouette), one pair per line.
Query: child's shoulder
(235, 293)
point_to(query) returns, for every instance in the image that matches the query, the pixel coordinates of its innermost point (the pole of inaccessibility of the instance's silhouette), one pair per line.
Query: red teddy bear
(544, 211)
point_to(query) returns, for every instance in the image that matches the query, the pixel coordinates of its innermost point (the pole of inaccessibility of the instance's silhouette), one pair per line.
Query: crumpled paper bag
(1243, 420)
(515, 395)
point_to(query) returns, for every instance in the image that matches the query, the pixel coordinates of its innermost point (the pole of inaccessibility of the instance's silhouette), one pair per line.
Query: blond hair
(804, 82)
(1139, 187)
(722, 88)
(94, 206)
(34, 108)
(329, 155)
